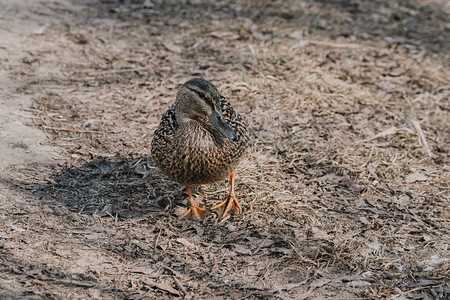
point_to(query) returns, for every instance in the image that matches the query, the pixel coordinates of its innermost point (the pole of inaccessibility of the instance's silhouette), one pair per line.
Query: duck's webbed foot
(230, 205)
(195, 212)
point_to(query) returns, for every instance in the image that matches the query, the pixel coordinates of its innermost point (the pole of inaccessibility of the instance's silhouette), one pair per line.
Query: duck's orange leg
(195, 212)
(230, 204)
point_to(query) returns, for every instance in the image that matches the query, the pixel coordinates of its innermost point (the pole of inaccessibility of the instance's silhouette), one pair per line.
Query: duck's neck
(200, 130)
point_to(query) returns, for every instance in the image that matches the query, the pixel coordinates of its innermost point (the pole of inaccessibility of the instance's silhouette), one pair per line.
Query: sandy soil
(345, 188)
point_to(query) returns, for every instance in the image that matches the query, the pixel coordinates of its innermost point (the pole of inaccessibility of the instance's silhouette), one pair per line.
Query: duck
(201, 139)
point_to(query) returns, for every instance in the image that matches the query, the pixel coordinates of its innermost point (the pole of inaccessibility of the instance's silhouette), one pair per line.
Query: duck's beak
(219, 123)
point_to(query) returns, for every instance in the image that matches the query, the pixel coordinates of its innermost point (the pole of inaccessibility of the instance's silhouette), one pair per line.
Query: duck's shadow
(119, 188)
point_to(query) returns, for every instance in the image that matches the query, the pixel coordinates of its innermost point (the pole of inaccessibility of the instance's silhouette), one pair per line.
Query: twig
(422, 140)
(389, 131)
(39, 282)
(42, 281)
(157, 239)
(74, 282)
(71, 130)
(411, 122)
(332, 44)
(119, 71)
(179, 285)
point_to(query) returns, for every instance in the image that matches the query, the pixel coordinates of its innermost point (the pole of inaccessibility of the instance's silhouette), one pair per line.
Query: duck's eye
(201, 95)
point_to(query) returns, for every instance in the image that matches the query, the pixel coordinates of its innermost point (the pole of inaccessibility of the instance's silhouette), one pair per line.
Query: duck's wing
(168, 125)
(163, 136)
(236, 122)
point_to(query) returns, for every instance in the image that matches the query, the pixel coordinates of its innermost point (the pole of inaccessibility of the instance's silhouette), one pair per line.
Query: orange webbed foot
(229, 206)
(195, 213)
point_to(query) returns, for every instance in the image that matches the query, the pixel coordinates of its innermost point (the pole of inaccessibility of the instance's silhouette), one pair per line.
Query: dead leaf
(261, 37)
(161, 285)
(318, 283)
(358, 283)
(107, 210)
(165, 287)
(414, 177)
(178, 210)
(303, 120)
(95, 235)
(224, 35)
(328, 178)
(242, 249)
(260, 243)
(364, 220)
(281, 250)
(298, 34)
(402, 201)
(303, 296)
(258, 35)
(373, 246)
(41, 30)
(235, 294)
(148, 4)
(319, 234)
(427, 238)
(172, 47)
(278, 288)
(14, 227)
(186, 243)
(146, 271)
(426, 282)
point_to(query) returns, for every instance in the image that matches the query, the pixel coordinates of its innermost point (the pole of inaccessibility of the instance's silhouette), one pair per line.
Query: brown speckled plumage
(188, 148)
(192, 154)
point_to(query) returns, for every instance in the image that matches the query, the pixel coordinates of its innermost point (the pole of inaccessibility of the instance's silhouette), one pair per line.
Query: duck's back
(192, 155)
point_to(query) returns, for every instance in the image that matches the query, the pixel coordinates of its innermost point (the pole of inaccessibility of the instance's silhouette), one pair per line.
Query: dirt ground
(345, 188)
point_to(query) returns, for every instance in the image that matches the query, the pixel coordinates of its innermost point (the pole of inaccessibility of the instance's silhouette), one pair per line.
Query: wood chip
(186, 243)
(415, 177)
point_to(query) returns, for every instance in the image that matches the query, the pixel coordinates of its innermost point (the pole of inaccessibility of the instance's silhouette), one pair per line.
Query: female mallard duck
(200, 140)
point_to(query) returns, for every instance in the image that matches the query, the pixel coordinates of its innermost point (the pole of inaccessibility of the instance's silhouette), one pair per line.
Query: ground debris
(344, 188)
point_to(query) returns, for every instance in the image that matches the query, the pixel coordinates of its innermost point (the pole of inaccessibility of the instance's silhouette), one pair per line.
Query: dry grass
(345, 188)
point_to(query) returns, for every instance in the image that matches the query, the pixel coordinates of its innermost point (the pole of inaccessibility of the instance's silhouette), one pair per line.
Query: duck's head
(199, 100)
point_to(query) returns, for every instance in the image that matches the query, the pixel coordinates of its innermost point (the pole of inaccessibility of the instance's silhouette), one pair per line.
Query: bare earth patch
(345, 188)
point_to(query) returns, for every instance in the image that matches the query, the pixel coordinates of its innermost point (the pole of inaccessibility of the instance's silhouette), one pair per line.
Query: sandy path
(19, 143)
